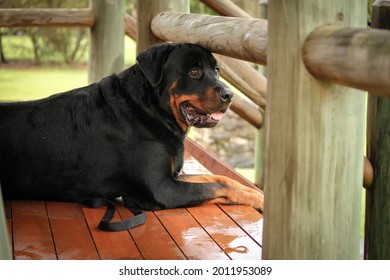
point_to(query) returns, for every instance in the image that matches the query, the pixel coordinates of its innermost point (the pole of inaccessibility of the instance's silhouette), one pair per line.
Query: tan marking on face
(174, 105)
(174, 102)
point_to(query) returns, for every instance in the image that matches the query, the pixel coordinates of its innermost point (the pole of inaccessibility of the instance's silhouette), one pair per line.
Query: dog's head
(189, 74)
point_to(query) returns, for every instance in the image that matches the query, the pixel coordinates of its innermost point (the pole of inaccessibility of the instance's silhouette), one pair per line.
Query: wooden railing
(232, 36)
(46, 17)
(307, 150)
(331, 53)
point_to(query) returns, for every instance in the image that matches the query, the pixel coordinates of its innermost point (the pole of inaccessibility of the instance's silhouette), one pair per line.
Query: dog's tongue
(217, 116)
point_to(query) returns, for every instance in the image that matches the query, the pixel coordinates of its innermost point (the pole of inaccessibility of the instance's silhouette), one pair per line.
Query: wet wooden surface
(31, 231)
(71, 235)
(51, 230)
(69, 231)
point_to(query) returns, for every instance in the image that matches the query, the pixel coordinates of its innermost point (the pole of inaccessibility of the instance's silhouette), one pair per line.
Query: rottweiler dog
(122, 136)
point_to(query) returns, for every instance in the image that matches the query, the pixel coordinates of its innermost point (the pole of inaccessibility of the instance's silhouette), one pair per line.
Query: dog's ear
(152, 62)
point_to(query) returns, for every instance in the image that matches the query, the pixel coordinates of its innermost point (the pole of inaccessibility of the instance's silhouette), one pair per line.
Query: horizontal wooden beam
(241, 38)
(247, 111)
(368, 174)
(212, 163)
(130, 26)
(46, 18)
(226, 8)
(353, 57)
(244, 78)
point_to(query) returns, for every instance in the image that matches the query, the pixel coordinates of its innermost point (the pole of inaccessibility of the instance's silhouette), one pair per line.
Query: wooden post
(147, 10)
(5, 251)
(377, 229)
(106, 48)
(260, 134)
(314, 142)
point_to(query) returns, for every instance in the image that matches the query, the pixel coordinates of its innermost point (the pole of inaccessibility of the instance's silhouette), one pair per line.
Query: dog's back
(35, 136)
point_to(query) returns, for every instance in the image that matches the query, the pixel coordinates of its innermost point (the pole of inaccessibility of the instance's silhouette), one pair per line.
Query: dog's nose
(226, 94)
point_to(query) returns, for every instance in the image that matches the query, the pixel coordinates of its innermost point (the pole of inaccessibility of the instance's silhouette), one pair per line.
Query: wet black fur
(112, 138)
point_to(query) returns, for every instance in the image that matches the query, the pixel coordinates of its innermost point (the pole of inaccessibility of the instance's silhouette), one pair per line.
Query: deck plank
(152, 239)
(248, 219)
(192, 239)
(31, 231)
(111, 245)
(229, 236)
(72, 238)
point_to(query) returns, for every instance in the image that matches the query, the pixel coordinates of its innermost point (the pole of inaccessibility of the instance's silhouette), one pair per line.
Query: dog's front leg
(227, 191)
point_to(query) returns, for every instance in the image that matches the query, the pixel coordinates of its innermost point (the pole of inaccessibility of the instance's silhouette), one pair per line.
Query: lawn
(35, 83)
(32, 82)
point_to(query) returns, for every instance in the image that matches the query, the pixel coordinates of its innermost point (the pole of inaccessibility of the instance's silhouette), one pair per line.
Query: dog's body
(121, 136)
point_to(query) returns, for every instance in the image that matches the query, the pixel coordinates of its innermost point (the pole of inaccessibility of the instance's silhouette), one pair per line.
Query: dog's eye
(195, 73)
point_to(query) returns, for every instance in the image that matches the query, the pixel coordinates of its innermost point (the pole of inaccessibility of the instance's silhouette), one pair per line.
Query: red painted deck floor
(68, 231)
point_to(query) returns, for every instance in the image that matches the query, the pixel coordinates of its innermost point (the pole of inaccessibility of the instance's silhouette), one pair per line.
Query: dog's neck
(131, 83)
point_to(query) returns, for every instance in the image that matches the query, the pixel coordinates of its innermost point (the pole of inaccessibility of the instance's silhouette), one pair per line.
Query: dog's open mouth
(197, 118)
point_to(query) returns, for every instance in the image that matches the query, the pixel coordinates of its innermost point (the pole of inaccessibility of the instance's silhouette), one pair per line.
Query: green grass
(248, 173)
(35, 83)
(29, 83)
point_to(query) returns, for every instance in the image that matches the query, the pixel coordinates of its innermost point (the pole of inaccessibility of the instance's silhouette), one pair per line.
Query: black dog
(122, 136)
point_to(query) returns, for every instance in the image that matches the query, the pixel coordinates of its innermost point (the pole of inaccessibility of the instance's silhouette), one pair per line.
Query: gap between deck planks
(55, 230)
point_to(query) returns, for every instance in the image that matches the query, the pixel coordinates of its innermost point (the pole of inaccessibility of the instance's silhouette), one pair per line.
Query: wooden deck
(69, 231)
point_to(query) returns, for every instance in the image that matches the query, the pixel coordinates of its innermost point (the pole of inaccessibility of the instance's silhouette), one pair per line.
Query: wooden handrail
(213, 164)
(354, 57)
(330, 53)
(247, 111)
(46, 17)
(226, 8)
(130, 26)
(235, 37)
(244, 78)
